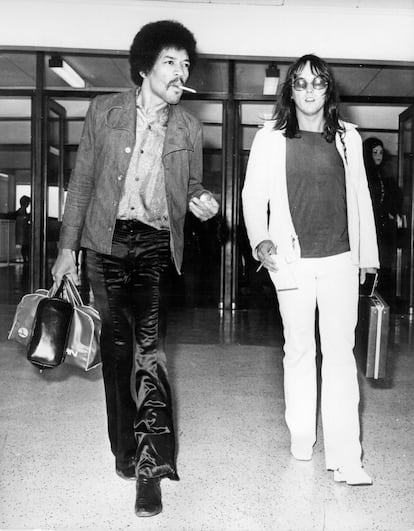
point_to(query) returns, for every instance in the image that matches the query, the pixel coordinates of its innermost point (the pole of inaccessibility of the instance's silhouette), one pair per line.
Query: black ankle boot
(148, 500)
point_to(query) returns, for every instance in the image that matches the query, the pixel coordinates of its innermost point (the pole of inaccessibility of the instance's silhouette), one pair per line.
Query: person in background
(22, 230)
(387, 203)
(138, 170)
(310, 222)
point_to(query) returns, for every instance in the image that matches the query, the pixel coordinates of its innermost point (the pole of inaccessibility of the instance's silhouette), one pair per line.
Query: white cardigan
(265, 186)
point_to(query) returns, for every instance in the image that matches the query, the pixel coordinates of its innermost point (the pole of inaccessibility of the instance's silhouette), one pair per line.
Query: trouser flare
(126, 288)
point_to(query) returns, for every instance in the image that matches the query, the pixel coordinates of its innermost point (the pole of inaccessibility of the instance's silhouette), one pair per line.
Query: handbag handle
(72, 291)
(56, 292)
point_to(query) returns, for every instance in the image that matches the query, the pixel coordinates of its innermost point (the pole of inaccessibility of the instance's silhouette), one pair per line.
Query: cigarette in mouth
(188, 89)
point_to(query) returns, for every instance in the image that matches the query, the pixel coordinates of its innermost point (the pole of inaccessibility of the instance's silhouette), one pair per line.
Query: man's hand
(266, 251)
(204, 207)
(64, 265)
(363, 273)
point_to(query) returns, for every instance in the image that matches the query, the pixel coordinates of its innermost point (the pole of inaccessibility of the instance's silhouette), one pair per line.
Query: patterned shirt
(143, 198)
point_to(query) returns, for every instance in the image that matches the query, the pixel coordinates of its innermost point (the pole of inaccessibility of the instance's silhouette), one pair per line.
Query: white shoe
(300, 452)
(355, 476)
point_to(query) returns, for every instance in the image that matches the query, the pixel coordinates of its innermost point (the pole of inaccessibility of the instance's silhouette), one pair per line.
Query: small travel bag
(47, 346)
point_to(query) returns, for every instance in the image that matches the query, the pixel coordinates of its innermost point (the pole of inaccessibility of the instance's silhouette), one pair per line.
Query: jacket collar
(122, 115)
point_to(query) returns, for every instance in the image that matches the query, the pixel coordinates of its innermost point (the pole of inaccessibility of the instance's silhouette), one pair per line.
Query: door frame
(405, 116)
(49, 150)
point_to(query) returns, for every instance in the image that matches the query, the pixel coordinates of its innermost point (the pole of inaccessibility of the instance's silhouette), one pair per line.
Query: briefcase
(371, 337)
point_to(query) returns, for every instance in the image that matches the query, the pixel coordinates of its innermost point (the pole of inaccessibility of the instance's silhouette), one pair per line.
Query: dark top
(22, 230)
(317, 195)
(386, 199)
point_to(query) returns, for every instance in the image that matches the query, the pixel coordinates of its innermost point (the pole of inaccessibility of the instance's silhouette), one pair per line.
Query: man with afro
(138, 171)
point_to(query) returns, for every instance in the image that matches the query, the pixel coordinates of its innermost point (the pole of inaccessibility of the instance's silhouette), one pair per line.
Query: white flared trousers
(331, 285)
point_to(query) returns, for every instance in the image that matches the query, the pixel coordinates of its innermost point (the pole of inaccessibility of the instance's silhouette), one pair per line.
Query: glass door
(255, 289)
(15, 197)
(405, 245)
(199, 284)
(54, 170)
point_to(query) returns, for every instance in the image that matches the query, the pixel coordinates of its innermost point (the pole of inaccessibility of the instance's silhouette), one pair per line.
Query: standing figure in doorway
(310, 222)
(138, 170)
(387, 204)
(22, 231)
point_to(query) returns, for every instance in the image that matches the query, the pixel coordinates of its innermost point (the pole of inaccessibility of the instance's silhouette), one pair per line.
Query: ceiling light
(66, 72)
(271, 80)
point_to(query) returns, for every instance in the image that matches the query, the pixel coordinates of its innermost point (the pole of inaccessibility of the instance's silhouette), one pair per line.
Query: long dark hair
(368, 145)
(284, 113)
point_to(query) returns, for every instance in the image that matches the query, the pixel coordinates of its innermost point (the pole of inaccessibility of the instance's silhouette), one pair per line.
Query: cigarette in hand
(260, 267)
(262, 263)
(188, 89)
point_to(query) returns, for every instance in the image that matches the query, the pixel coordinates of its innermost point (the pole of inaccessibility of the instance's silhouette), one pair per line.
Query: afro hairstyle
(155, 37)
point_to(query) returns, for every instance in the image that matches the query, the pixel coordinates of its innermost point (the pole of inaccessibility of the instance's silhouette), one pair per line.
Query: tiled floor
(57, 472)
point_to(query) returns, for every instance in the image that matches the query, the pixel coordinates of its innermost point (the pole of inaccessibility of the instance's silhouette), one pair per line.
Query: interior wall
(336, 32)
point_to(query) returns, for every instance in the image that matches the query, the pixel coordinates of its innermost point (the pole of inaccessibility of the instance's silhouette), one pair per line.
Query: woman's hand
(363, 273)
(266, 251)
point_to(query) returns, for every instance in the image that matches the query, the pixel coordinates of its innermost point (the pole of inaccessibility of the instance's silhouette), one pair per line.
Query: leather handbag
(83, 343)
(22, 326)
(47, 346)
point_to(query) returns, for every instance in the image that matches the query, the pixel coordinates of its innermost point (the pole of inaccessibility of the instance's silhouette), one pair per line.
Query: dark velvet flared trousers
(126, 288)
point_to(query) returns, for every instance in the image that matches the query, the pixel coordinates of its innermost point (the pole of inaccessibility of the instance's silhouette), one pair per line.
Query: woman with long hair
(387, 204)
(309, 220)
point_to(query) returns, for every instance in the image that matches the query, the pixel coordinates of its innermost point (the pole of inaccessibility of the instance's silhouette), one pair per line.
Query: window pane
(209, 76)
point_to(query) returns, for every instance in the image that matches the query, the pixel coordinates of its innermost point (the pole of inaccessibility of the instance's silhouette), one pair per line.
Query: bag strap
(72, 292)
(53, 292)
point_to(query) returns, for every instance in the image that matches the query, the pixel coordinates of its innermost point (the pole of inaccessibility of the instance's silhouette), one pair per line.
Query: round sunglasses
(318, 83)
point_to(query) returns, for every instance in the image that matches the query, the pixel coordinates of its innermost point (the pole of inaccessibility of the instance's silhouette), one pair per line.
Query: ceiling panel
(227, 2)
(369, 4)
(374, 81)
(397, 82)
(359, 4)
(97, 71)
(353, 80)
(17, 70)
(382, 4)
(102, 71)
